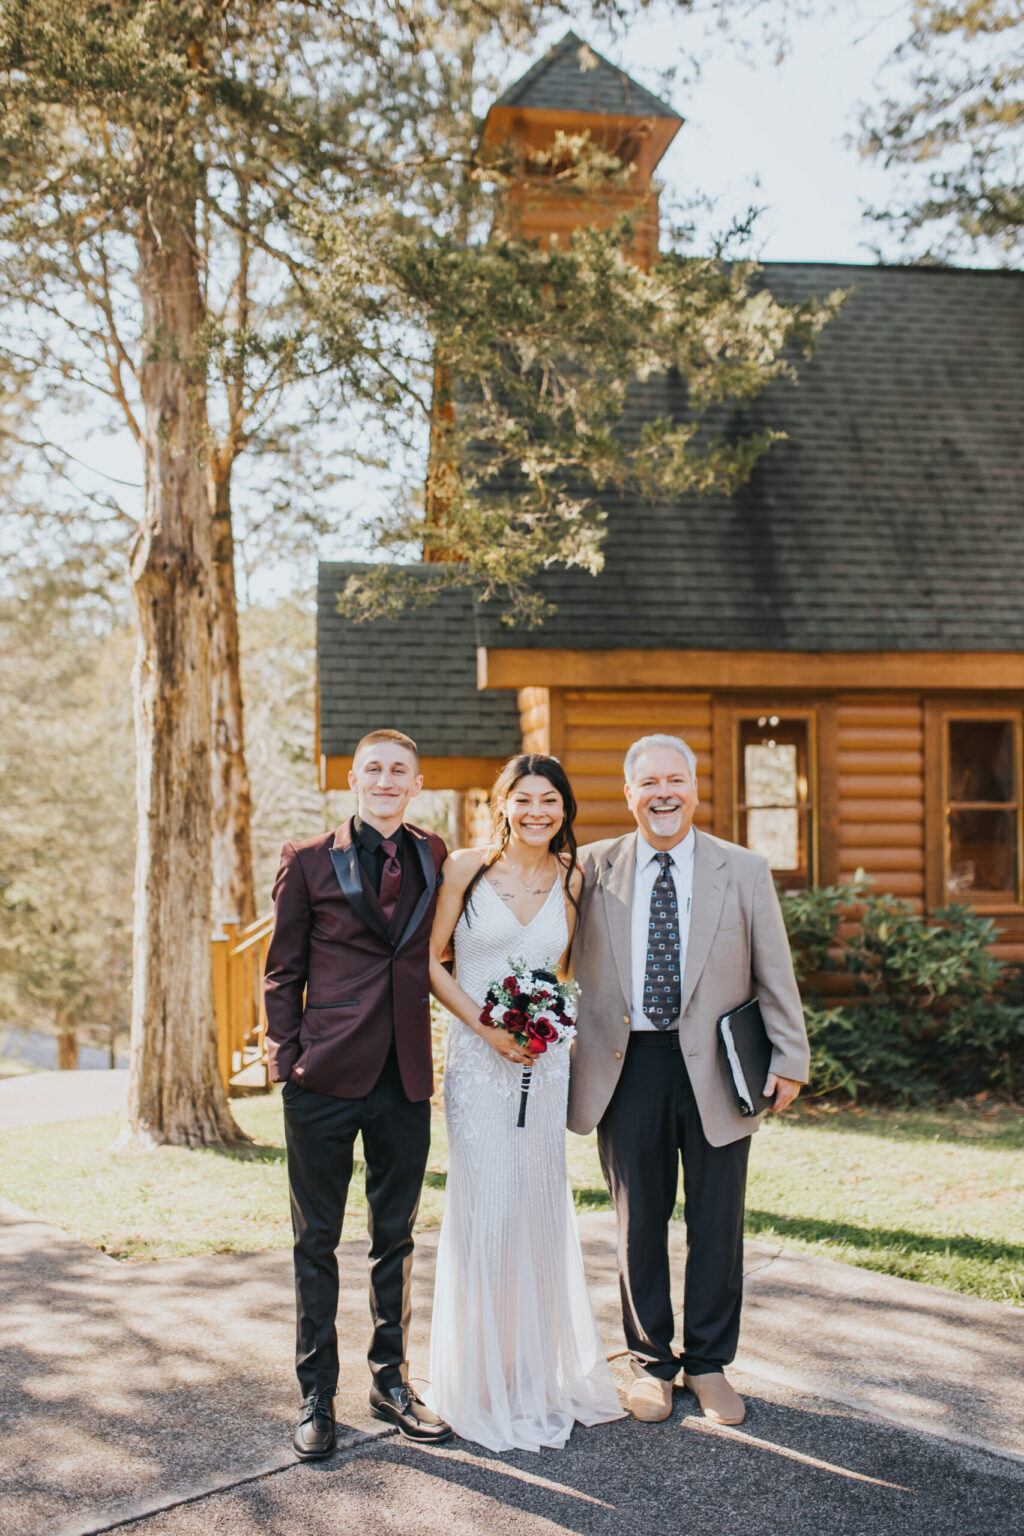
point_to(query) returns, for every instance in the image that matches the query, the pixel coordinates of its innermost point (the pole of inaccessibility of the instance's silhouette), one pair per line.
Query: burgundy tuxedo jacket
(339, 980)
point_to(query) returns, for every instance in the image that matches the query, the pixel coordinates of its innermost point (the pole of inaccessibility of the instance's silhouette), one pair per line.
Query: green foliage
(325, 163)
(543, 344)
(66, 812)
(932, 1011)
(956, 121)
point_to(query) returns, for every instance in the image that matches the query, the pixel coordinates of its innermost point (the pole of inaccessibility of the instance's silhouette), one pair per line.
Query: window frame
(947, 713)
(748, 714)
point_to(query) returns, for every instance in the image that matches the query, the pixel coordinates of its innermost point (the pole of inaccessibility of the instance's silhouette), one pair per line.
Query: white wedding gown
(515, 1355)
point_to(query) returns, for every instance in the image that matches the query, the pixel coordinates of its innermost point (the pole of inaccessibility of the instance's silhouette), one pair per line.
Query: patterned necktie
(662, 981)
(390, 878)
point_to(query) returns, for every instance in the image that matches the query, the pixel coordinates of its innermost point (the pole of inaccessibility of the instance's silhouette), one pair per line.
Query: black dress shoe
(402, 1407)
(314, 1433)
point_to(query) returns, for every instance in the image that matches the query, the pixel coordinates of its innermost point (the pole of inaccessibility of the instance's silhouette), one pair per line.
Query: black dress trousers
(651, 1119)
(319, 1134)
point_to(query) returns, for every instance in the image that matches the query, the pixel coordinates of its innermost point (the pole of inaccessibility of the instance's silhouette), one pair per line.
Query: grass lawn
(933, 1195)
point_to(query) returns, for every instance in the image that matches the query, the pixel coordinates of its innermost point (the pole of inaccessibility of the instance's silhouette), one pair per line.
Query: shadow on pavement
(125, 1388)
(793, 1469)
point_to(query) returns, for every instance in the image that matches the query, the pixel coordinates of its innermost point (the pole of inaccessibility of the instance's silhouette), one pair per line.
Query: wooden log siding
(598, 726)
(880, 767)
(535, 719)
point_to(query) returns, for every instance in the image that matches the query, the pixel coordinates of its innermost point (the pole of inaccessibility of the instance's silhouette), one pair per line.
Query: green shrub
(932, 1011)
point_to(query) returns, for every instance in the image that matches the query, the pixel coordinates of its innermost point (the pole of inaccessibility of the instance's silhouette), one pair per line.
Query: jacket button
(625, 1018)
(618, 1055)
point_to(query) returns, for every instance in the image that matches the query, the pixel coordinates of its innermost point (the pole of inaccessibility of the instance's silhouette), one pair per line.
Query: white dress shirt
(643, 886)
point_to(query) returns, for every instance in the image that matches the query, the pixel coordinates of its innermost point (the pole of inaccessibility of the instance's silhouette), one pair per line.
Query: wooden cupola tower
(574, 91)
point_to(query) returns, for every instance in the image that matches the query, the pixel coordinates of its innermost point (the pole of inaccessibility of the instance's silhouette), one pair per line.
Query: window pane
(983, 852)
(776, 835)
(770, 773)
(981, 765)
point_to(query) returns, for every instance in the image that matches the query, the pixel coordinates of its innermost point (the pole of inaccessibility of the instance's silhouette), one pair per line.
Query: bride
(515, 1355)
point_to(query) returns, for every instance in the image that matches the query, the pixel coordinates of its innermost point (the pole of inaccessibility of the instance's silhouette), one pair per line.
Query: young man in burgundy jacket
(348, 1034)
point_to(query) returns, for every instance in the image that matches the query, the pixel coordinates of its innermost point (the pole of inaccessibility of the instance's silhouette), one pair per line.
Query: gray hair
(673, 743)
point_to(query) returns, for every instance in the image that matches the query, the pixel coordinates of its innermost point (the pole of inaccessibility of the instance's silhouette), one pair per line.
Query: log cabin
(841, 641)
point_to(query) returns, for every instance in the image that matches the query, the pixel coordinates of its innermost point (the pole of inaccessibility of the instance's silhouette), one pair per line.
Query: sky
(778, 135)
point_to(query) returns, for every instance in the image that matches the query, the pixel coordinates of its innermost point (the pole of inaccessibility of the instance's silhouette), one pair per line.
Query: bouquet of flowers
(535, 1008)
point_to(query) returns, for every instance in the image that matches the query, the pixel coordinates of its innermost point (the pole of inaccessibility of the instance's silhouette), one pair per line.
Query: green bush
(932, 1012)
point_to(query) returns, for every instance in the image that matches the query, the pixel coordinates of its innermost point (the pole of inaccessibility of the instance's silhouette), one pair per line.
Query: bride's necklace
(531, 890)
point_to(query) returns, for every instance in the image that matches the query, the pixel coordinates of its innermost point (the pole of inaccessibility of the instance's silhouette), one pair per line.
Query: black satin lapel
(346, 867)
(426, 859)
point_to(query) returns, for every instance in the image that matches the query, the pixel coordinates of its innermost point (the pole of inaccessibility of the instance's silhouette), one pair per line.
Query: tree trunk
(175, 1093)
(67, 1045)
(233, 885)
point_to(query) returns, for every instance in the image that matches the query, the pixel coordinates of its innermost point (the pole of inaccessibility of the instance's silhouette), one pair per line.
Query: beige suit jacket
(737, 946)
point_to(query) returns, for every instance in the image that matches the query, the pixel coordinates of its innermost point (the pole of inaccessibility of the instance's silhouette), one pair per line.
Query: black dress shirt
(371, 855)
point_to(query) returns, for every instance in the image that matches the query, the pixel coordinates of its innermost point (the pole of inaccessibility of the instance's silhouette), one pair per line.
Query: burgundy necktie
(390, 878)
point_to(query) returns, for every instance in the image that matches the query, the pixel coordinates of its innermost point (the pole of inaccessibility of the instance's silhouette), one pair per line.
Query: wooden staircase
(239, 956)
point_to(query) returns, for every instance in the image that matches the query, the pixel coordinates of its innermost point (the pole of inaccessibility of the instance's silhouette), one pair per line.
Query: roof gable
(571, 77)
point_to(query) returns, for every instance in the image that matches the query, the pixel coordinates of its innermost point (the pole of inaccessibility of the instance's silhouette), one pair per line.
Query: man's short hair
(397, 738)
(646, 743)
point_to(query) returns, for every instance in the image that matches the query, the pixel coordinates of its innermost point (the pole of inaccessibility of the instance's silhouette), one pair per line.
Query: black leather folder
(748, 1054)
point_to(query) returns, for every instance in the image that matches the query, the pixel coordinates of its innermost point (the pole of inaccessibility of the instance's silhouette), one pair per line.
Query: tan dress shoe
(718, 1401)
(650, 1399)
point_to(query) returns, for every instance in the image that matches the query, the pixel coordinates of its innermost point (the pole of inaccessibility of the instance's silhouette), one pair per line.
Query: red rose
(515, 1020)
(540, 1029)
(536, 1047)
(486, 1015)
(511, 985)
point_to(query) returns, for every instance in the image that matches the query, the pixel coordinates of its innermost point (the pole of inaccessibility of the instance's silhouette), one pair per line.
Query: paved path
(42, 1098)
(158, 1398)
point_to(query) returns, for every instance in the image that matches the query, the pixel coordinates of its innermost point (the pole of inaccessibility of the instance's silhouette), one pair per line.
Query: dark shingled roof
(416, 674)
(562, 82)
(892, 519)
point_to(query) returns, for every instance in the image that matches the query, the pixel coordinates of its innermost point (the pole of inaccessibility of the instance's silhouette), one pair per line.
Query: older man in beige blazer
(678, 928)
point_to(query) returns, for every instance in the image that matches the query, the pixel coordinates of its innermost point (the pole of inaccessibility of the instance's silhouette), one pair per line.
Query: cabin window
(773, 794)
(983, 810)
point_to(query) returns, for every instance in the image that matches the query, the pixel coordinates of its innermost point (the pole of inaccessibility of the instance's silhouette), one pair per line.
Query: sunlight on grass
(933, 1195)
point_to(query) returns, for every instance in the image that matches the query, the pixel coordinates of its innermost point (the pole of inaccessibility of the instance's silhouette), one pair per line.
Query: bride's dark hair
(562, 845)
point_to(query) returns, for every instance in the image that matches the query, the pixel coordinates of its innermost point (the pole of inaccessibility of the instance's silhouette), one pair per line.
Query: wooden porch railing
(239, 955)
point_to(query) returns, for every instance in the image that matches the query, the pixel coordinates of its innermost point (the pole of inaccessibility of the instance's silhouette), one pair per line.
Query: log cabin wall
(872, 781)
(535, 719)
(880, 768)
(593, 729)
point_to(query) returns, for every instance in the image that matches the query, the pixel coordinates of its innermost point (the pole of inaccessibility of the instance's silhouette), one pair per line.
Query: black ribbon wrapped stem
(527, 1074)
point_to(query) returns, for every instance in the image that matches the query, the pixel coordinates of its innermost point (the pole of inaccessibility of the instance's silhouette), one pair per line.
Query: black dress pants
(651, 1119)
(319, 1134)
